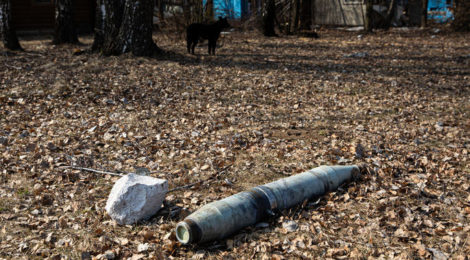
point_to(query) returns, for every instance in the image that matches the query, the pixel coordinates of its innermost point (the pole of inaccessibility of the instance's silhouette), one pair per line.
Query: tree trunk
(7, 33)
(127, 27)
(312, 13)
(65, 31)
(295, 16)
(462, 16)
(99, 26)
(424, 16)
(369, 22)
(161, 10)
(135, 34)
(269, 17)
(209, 11)
(305, 19)
(390, 13)
(113, 12)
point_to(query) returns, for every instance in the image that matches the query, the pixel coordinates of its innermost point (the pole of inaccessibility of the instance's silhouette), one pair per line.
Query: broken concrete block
(134, 197)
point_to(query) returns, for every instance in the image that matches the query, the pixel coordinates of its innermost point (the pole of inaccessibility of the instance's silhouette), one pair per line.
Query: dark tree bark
(209, 10)
(390, 13)
(65, 31)
(99, 26)
(161, 10)
(269, 18)
(135, 34)
(424, 16)
(126, 27)
(305, 16)
(113, 11)
(7, 33)
(108, 21)
(462, 15)
(369, 22)
(312, 12)
(295, 16)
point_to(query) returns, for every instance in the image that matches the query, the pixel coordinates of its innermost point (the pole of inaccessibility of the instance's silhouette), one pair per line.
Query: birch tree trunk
(126, 26)
(113, 11)
(7, 33)
(65, 31)
(135, 34)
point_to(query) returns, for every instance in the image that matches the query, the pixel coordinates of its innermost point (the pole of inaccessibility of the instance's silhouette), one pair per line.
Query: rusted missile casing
(221, 218)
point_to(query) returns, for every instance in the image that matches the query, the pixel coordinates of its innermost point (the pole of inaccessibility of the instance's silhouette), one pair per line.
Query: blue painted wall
(438, 10)
(232, 9)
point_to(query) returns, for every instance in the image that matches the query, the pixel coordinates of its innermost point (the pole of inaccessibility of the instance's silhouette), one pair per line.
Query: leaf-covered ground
(398, 102)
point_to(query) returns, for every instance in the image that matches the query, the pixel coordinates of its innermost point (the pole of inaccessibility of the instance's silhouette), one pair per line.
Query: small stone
(50, 238)
(60, 243)
(134, 197)
(109, 255)
(142, 248)
(23, 247)
(290, 225)
(437, 255)
(439, 126)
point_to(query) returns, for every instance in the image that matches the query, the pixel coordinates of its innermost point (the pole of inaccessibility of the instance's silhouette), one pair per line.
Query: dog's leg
(213, 44)
(194, 45)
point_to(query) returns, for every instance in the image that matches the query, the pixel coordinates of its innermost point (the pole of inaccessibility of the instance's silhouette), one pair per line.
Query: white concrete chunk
(135, 197)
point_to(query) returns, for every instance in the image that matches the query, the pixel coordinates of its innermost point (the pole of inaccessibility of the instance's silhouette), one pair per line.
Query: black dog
(210, 32)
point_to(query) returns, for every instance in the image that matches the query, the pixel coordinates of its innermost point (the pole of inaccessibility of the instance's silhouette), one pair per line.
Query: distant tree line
(126, 25)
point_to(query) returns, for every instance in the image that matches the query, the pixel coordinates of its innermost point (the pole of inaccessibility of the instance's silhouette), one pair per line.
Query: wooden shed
(340, 12)
(39, 14)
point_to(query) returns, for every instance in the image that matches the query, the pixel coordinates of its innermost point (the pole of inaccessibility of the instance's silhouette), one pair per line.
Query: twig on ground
(210, 179)
(92, 170)
(13, 67)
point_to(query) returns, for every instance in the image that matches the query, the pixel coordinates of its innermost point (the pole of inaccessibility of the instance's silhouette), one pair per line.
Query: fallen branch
(92, 170)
